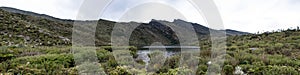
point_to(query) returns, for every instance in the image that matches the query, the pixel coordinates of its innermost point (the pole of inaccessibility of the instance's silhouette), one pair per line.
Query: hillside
(46, 30)
(23, 29)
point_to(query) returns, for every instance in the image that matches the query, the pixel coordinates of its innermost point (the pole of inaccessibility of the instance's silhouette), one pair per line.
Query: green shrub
(119, 71)
(228, 70)
(90, 68)
(44, 64)
(104, 56)
(201, 70)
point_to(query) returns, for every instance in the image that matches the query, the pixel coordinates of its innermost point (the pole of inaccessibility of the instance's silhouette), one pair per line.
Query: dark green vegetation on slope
(34, 29)
(47, 51)
(23, 29)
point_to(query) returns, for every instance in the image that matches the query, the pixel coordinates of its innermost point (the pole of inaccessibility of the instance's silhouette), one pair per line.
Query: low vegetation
(256, 54)
(30, 45)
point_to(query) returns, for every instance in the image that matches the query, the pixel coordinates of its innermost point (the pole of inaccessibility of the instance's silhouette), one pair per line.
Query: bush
(228, 70)
(90, 68)
(6, 54)
(201, 70)
(104, 56)
(119, 71)
(44, 64)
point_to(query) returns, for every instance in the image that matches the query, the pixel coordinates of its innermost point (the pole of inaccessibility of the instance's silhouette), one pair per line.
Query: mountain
(14, 10)
(29, 28)
(234, 32)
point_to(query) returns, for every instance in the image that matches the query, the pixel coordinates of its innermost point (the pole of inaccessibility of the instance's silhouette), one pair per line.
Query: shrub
(90, 68)
(44, 64)
(119, 71)
(228, 70)
(201, 70)
(104, 56)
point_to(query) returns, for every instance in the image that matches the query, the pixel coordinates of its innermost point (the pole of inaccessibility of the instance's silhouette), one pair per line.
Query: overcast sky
(243, 15)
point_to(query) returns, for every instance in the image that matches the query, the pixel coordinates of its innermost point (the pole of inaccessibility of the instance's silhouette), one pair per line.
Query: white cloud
(66, 9)
(116, 10)
(259, 15)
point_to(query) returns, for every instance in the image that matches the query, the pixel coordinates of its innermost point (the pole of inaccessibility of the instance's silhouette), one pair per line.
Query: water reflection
(167, 51)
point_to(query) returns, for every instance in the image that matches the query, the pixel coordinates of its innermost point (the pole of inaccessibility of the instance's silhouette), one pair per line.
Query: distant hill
(14, 10)
(234, 32)
(29, 28)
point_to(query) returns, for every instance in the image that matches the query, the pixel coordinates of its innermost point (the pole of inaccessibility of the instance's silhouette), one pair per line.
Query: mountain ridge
(15, 10)
(144, 34)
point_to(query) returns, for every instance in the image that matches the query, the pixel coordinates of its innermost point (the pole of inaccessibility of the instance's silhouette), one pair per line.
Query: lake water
(167, 50)
(143, 55)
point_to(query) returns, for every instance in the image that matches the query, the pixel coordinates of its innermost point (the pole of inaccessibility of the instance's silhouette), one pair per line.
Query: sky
(242, 15)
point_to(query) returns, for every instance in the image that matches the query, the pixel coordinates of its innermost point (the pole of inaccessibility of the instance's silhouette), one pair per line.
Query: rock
(238, 71)
(209, 63)
(20, 36)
